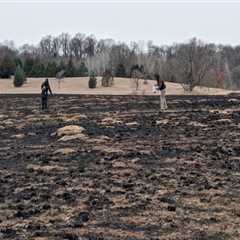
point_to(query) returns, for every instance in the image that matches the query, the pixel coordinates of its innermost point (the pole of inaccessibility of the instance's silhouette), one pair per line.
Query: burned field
(112, 167)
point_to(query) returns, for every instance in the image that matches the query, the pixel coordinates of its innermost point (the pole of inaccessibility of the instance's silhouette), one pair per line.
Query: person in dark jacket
(162, 88)
(46, 89)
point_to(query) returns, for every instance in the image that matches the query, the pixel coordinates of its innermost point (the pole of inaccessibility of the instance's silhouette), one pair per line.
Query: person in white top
(161, 87)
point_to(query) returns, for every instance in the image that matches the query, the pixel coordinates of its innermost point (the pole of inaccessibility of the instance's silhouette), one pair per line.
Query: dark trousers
(44, 102)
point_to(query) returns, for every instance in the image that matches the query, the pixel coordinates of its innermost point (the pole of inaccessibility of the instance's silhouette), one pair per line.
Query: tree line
(190, 63)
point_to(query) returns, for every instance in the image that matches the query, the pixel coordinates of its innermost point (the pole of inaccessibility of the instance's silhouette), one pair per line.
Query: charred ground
(132, 173)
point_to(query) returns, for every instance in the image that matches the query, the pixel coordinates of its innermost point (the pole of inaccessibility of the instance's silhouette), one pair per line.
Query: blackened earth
(133, 173)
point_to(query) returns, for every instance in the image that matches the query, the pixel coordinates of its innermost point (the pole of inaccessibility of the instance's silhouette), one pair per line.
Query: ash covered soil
(113, 167)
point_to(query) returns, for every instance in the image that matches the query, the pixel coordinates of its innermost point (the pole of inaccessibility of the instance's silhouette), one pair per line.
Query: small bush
(19, 77)
(107, 79)
(92, 83)
(120, 71)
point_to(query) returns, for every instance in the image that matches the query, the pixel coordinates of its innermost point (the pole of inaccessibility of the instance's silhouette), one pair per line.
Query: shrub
(19, 77)
(92, 83)
(107, 79)
(120, 71)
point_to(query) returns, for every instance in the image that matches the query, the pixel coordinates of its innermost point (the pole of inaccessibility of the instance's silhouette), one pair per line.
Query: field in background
(122, 86)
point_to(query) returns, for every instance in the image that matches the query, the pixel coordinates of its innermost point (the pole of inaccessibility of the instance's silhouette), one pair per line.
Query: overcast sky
(163, 22)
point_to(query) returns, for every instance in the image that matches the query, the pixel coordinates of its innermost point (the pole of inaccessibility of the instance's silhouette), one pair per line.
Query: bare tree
(107, 79)
(119, 55)
(137, 73)
(56, 45)
(59, 77)
(77, 45)
(65, 40)
(90, 46)
(192, 62)
(29, 51)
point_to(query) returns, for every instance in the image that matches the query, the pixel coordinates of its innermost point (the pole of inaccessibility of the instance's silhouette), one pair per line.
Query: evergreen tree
(82, 71)
(51, 69)
(71, 70)
(92, 83)
(19, 77)
(120, 71)
(28, 65)
(61, 67)
(38, 70)
(7, 67)
(18, 62)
